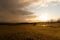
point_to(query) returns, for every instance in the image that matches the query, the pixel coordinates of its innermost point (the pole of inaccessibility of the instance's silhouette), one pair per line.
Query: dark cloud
(8, 16)
(10, 4)
(10, 10)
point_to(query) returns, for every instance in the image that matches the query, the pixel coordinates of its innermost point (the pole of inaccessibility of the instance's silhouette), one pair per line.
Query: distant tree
(51, 20)
(58, 20)
(34, 24)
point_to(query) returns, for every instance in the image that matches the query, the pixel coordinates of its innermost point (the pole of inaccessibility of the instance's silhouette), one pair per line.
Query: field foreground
(30, 32)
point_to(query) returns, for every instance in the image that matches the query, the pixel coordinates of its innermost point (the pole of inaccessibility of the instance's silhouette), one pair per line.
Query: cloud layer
(11, 10)
(51, 7)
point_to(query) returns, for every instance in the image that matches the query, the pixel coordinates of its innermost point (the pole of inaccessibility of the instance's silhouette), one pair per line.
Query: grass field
(30, 32)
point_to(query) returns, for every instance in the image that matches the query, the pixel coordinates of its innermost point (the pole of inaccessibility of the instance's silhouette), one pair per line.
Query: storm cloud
(11, 10)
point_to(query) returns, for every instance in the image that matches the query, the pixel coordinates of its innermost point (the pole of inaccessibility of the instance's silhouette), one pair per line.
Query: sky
(27, 10)
(51, 7)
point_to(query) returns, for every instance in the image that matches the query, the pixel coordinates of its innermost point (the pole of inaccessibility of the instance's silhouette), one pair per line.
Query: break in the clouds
(51, 7)
(11, 10)
(41, 3)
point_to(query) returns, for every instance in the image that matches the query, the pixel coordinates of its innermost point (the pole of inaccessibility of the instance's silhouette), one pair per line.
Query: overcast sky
(11, 10)
(21, 10)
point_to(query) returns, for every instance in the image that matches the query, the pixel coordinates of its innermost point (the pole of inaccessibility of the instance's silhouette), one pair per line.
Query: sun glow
(43, 17)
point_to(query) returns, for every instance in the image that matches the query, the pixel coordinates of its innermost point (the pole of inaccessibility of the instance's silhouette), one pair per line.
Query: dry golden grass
(30, 32)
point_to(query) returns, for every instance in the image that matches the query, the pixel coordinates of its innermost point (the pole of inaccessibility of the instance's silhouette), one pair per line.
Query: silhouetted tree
(51, 20)
(58, 20)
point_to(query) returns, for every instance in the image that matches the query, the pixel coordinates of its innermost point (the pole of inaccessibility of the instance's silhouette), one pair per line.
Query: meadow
(39, 31)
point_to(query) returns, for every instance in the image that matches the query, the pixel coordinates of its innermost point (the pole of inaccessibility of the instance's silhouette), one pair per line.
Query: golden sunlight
(43, 17)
